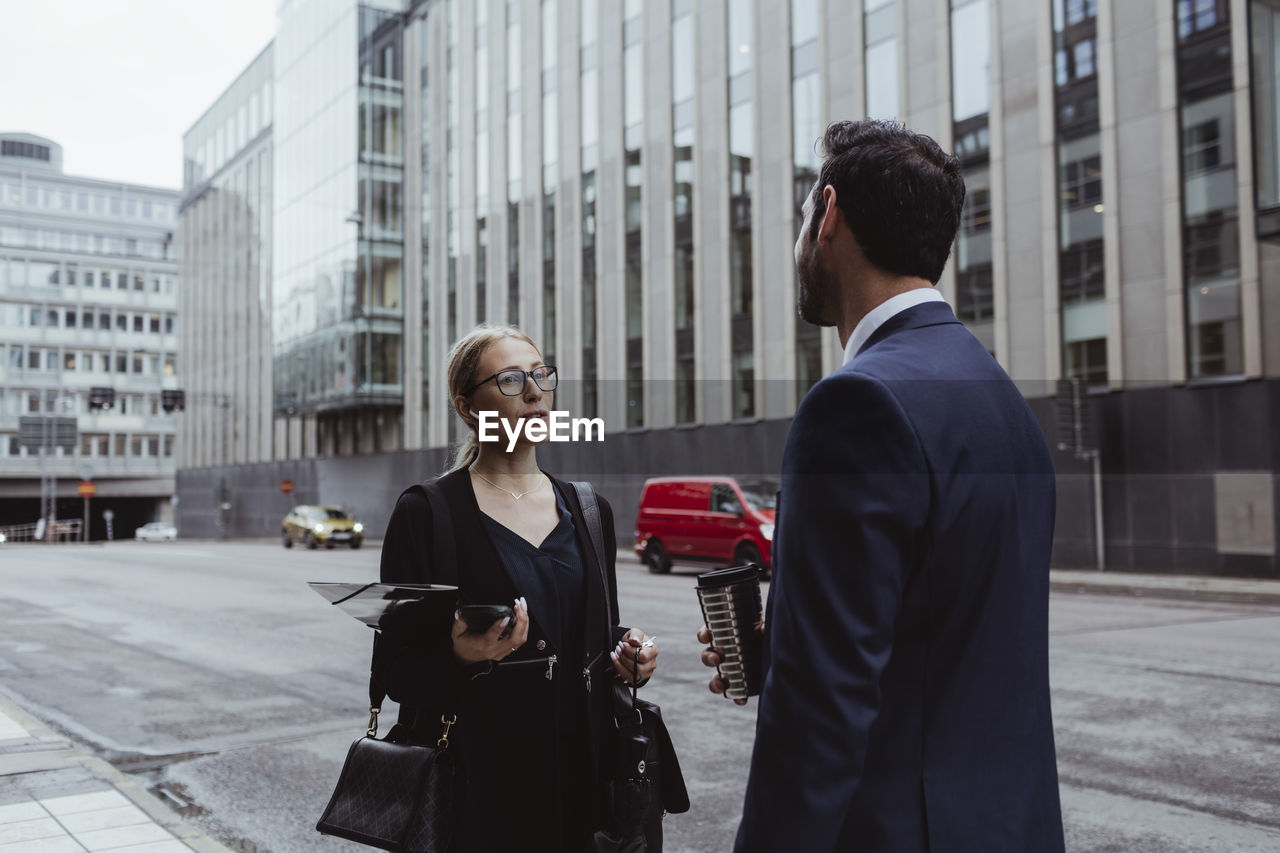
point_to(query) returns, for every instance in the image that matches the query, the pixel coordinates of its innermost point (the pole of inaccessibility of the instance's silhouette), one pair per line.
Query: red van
(705, 519)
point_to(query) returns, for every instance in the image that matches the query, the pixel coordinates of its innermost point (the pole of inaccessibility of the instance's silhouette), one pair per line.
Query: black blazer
(906, 703)
(508, 738)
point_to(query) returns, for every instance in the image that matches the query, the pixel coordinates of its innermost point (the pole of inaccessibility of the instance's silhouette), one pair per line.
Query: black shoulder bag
(647, 781)
(392, 793)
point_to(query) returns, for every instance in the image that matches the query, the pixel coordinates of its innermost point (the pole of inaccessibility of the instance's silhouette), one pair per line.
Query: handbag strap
(444, 563)
(595, 529)
(443, 542)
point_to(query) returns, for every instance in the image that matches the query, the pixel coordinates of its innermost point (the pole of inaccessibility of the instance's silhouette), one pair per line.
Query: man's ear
(831, 215)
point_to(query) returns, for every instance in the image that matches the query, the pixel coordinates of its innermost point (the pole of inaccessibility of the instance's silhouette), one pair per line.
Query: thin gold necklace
(516, 495)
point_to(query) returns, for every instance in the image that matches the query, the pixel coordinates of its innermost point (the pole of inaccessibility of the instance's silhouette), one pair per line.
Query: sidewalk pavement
(1189, 587)
(55, 798)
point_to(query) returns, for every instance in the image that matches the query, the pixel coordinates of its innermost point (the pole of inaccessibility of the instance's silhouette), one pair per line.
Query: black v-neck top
(512, 718)
(550, 576)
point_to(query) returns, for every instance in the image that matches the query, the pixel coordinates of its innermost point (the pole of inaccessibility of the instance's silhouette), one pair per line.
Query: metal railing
(59, 531)
(67, 467)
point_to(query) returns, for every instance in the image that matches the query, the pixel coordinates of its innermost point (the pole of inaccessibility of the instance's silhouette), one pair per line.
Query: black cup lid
(729, 575)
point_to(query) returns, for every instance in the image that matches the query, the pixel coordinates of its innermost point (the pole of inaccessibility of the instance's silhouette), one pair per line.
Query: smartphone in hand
(480, 617)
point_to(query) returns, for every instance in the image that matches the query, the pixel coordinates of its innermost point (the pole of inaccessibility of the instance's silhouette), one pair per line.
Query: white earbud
(474, 413)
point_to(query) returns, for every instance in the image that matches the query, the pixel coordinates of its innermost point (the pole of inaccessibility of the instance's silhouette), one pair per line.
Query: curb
(152, 807)
(1174, 587)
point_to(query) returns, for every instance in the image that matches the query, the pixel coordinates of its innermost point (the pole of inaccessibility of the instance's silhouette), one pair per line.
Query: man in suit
(905, 704)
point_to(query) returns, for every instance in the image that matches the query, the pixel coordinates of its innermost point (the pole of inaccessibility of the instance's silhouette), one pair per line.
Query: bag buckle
(372, 731)
(620, 723)
(443, 742)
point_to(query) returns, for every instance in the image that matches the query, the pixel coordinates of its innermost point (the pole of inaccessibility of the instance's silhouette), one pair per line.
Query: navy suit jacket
(906, 695)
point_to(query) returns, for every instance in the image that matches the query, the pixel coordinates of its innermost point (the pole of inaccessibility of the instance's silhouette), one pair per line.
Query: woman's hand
(502, 638)
(635, 657)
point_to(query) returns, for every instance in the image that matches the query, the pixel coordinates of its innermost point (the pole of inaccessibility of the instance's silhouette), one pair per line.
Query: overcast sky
(117, 82)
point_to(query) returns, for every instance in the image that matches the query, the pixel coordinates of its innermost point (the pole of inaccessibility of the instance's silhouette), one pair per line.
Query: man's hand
(711, 657)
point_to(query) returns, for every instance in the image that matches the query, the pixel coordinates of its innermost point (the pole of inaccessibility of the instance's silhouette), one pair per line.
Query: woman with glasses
(532, 693)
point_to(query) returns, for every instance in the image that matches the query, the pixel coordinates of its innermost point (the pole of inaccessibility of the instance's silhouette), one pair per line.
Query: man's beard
(816, 291)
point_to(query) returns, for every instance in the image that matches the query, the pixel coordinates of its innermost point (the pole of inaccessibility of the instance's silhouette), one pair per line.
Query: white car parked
(156, 531)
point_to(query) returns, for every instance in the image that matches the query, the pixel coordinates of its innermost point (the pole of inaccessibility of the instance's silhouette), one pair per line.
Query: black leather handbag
(647, 782)
(395, 794)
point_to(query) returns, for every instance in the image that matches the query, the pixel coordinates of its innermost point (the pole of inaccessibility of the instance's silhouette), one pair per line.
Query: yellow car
(321, 525)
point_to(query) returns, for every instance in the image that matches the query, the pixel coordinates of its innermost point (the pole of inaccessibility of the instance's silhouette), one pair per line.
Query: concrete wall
(1183, 472)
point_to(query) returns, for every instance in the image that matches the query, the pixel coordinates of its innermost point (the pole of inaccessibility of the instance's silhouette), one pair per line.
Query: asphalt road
(210, 671)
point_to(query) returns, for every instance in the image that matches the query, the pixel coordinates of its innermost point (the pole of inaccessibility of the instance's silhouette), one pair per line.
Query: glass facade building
(338, 224)
(637, 170)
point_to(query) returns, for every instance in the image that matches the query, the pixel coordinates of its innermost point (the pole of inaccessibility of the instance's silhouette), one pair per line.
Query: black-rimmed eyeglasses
(511, 382)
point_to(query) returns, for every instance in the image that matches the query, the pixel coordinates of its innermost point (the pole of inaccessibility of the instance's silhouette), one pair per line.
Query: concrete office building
(88, 298)
(623, 179)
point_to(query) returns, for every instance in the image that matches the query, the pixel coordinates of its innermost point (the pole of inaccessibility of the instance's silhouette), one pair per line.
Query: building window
(970, 59)
(1081, 272)
(1082, 183)
(1265, 16)
(975, 299)
(1081, 257)
(685, 285)
(1201, 148)
(11, 148)
(970, 87)
(1210, 236)
(1196, 16)
(880, 40)
(550, 158)
(633, 139)
(976, 213)
(806, 128)
(1087, 360)
(588, 98)
(1212, 249)
(515, 149)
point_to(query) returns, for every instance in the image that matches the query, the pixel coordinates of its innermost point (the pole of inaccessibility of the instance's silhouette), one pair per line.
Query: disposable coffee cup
(730, 600)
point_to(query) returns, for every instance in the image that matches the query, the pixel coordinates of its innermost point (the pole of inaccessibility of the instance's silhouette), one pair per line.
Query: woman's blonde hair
(464, 360)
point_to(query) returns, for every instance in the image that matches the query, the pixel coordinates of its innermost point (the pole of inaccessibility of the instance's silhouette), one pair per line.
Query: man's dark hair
(899, 191)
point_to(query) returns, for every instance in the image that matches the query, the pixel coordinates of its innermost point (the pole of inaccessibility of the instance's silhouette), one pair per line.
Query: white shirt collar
(877, 316)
